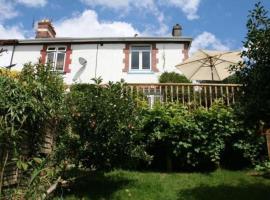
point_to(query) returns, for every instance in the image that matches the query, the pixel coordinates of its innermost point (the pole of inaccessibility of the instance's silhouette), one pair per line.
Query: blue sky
(213, 24)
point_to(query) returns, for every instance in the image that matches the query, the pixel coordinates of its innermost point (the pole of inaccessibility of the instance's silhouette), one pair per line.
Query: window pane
(60, 62)
(135, 60)
(146, 60)
(139, 48)
(51, 49)
(62, 48)
(50, 58)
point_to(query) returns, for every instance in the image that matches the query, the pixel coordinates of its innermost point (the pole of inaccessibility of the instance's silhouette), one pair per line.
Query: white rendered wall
(26, 54)
(110, 64)
(88, 52)
(5, 56)
(169, 55)
(106, 63)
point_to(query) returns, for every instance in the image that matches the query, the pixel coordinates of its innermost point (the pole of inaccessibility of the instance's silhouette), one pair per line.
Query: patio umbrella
(209, 65)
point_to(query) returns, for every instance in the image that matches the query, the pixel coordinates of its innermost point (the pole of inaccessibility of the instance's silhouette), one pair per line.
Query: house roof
(98, 40)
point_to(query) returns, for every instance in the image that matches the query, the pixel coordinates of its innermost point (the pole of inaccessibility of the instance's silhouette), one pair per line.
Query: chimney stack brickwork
(45, 29)
(177, 30)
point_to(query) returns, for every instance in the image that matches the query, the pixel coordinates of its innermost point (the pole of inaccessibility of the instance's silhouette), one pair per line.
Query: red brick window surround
(185, 51)
(154, 58)
(128, 57)
(59, 56)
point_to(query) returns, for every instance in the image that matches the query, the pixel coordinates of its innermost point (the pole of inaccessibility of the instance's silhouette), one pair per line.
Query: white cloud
(189, 7)
(208, 40)
(119, 4)
(144, 6)
(32, 3)
(87, 24)
(7, 10)
(13, 32)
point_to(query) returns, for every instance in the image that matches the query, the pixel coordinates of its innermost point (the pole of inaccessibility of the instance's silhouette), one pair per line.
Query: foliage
(28, 104)
(232, 79)
(255, 73)
(199, 138)
(46, 88)
(264, 166)
(105, 125)
(172, 77)
(14, 102)
(43, 174)
(9, 73)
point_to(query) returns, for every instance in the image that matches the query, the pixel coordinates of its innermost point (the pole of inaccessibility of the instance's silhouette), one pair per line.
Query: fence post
(267, 134)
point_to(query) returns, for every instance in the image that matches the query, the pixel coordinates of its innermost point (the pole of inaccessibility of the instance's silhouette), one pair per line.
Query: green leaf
(37, 160)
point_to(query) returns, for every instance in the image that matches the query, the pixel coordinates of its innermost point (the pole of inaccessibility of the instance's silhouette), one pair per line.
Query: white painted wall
(5, 56)
(88, 52)
(109, 63)
(25, 54)
(169, 56)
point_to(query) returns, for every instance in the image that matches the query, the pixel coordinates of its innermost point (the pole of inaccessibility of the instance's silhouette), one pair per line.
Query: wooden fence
(187, 93)
(12, 174)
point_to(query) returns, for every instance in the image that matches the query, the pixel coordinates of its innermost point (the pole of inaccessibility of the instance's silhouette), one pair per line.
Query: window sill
(58, 72)
(140, 72)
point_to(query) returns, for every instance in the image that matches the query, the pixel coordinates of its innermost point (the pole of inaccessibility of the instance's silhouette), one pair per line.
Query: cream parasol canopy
(209, 65)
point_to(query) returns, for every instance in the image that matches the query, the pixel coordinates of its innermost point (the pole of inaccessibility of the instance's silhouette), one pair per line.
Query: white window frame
(56, 51)
(140, 58)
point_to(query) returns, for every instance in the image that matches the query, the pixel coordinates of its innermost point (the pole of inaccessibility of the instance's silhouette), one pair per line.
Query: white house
(134, 59)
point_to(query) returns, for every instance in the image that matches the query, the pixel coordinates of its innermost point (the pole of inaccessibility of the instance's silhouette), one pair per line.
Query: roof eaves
(9, 42)
(107, 40)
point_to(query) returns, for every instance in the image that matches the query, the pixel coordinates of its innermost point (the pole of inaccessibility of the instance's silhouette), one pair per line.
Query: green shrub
(14, 107)
(105, 124)
(172, 77)
(198, 139)
(29, 103)
(9, 73)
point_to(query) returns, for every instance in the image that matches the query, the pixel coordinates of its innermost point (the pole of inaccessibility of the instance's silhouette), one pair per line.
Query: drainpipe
(96, 62)
(12, 55)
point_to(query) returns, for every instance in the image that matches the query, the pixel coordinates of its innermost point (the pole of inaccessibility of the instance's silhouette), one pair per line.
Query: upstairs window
(140, 57)
(56, 58)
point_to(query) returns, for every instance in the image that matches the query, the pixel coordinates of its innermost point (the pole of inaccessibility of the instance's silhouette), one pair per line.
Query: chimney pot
(45, 29)
(177, 30)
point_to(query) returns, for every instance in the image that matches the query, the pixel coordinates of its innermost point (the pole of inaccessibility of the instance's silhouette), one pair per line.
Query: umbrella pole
(211, 65)
(212, 73)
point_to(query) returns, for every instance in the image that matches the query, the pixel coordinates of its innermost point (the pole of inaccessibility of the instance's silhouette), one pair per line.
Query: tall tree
(255, 71)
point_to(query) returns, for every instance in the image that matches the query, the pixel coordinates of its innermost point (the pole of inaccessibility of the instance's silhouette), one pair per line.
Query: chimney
(45, 29)
(177, 30)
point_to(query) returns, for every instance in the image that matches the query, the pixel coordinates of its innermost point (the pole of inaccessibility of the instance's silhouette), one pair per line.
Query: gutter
(8, 42)
(106, 40)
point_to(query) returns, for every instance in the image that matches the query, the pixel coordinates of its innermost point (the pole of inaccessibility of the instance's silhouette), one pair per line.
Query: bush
(29, 103)
(105, 124)
(14, 107)
(172, 77)
(9, 73)
(198, 139)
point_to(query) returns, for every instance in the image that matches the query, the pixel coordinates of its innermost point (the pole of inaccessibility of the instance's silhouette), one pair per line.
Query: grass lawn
(124, 185)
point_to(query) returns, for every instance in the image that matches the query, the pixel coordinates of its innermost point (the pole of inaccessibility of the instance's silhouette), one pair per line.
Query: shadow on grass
(95, 186)
(245, 191)
(266, 175)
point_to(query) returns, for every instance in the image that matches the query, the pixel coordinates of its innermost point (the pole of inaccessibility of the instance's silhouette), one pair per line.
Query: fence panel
(187, 93)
